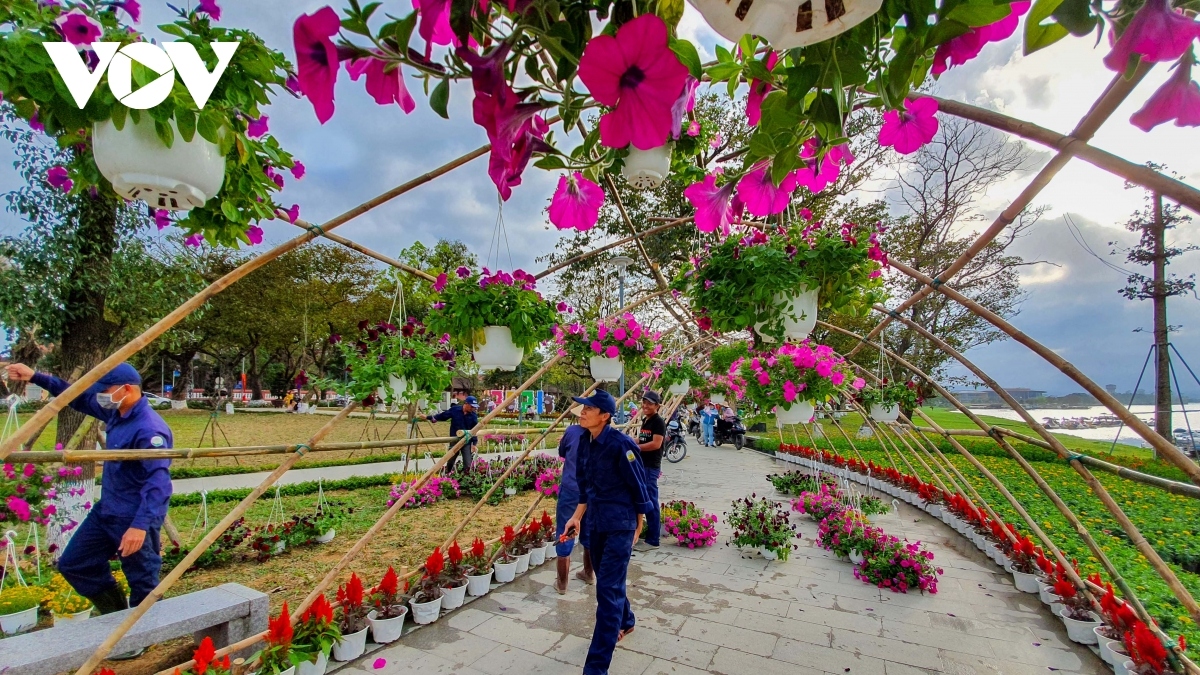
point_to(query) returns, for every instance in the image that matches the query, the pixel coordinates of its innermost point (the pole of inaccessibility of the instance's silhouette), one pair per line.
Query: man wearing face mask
(133, 497)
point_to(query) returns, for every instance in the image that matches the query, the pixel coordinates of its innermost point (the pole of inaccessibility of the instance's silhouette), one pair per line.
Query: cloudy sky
(1072, 304)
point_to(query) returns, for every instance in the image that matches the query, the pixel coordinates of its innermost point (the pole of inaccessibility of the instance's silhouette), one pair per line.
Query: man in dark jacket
(462, 418)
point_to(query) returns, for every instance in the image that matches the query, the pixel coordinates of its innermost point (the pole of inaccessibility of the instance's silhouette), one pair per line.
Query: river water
(1145, 412)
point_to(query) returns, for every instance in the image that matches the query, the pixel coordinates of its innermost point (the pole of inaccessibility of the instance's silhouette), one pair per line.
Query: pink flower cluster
(693, 528)
(436, 489)
(549, 481)
(613, 338)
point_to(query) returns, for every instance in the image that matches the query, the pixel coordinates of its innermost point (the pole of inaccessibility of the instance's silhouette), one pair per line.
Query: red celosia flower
(279, 629)
(204, 655)
(320, 611)
(478, 548)
(547, 522)
(454, 553)
(434, 563)
(509, 535)
(351, 594)
(1064, 589)
(390, 582)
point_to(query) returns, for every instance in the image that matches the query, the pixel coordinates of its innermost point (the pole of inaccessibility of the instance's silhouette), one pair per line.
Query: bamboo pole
(620, 242)
(355, 246)
(177, 572)
(1112, 97)
(192, 453)
(43, 416)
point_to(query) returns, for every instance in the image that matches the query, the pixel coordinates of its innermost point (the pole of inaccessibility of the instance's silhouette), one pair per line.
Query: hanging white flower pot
(426, 612)
(453, 596)
(384, 631)
(646, 169)
(785, 24)
(505, 572)
(883, 412)
(179, 178)
(71, 618)
(399, 387)
(480, 584)
(605, 369)
(717, 399)
(351, 646)
(498, 351)
(799, 412)
(680, 388)
(316, 667)
(327, 536)
(799, 314)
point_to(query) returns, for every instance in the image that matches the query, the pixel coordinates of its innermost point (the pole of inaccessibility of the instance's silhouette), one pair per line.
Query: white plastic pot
(799, 313)
(799, 412)
(856, 557)
(1125, 667)
(399, 387)
(1046, 592)
(351, 646)
(605, 369)
(1080, 631)
(316, 667)
(934, 510)
(480, 584)
(680, 388)
(717, 399)
(1026, 583)
(425, 612)
(505, 572)
(498, 351)
(786, 24)
(453, 596)
(523, 563)
(510, 491)
(537, 556)
(551, 551)
(327, 537)
(71, 618)
(646, 169)
(179, 178)
(880, 413)
(384, 631)
(1106, 644)
(768, 553)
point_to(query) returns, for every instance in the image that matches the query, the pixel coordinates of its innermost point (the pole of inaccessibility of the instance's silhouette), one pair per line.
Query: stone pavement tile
(517, 634)
(940, 638)
(657, 619)
(455, 646)
(988, 629)
(751, 602)
(670, 647)
(826, 658)
(1056, 636)
(505, 660)
(919, 656)
(931, 603)
(513, 604)
(1050, 657)
(573, 650)
(814, 633)
(732, 662)
(698, 564)
(893, 668)
(404, 660)
(887, 612)
(963, 664)
(685, 607)
(468, 618)
(836, 618)
(973, 576)
(661, 667)
(742, 639)
(704, 579)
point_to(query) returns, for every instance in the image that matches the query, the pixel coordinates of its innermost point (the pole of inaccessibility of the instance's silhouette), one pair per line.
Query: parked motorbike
(730, 431)
(676, 443)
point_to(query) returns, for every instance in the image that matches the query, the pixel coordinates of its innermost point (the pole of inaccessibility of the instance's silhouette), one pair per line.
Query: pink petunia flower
(1157, 33)
(682, 106)
(195, 240)
(210, 8)
(758, 91)
(906, 131)
(637, 75)
(317, 58)
(78, 28)
(434, 27)
(258, 128)
(132, 8)
(385, 82)
(162, 219)
(858, 383)
(298, 170)
(715, 207)
(291, 215)
(957, 51)
(612, 352)
(440, 284)
(576, 203)
(255, 234)
(761, 196)
(59, 177)
(597, 347)
(1177, 99)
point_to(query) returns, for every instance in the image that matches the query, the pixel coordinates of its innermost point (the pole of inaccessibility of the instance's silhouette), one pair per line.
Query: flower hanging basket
(179, 178)
(19, 622)
(799, 315)
(646, 169)
(680, 388)
(799, 412)
(885, 413)
(786, 24)
(717, 399)
(605, 369)
(498, 351)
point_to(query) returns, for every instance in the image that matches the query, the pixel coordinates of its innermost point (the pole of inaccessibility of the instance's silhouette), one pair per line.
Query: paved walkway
(713, 611)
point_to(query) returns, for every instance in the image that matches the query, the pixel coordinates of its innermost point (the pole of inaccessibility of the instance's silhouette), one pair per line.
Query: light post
(620, 263)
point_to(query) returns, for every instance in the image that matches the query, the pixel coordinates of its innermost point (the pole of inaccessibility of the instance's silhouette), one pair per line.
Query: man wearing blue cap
(462, 418)
(133, 497)
(612, 487)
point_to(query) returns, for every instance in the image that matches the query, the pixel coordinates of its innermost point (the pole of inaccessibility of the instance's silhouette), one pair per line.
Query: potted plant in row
(725, 388)
(19, 608)
(478, 567)
(497, 315)
(793, 378)
(505, 567)
(391, 365)
(774, 281)
(454, 578)
(426, 601)
(353, 621)
(207, 662)
(549, 538)
(67, 606)
(761, 524)
(610, 346)
(885, 400)
(677, 375)
(387, 618)
(689, 524)
(278, 657)
(315, 634)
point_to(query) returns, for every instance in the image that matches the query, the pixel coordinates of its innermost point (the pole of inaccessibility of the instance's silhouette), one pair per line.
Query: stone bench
(227, 614)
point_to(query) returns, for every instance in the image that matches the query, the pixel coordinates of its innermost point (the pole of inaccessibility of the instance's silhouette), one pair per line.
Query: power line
(1077, 235)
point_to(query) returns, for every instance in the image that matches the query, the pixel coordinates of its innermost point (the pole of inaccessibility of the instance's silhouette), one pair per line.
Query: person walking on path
(650, 442)
(572, 449)
(613, 496)
(462, 418)
(134, 494)
(708, 422)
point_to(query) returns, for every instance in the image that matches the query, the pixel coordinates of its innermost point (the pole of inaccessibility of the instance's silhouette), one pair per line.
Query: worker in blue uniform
(571, 448)
(612, 487)
(133, 497)
(462, 418)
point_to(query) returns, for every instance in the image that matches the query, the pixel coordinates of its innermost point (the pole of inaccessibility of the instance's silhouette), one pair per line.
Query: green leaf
(724, 71)
(825, 115)
(945, 29)
(165, 133)
(119, 116)
(670, 11)
(801, 79)
(230, 211)
(439, 99)
(1037, 35)
(550, 163)
(899, 72)
(186, 121)
(688, 56)
(977, 14)
(1076, 16)
(403, 30)
(209, 125)
(172, 29)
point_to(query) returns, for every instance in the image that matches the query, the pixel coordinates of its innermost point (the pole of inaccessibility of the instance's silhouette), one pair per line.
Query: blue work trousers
(610, 553)
(653, 519)
(568, 500)
(708, 433)
(84, 563)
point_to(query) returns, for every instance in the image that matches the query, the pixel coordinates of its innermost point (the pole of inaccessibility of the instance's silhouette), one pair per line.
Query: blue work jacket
(459, 420)
(137, 489)
(574, 442)
(612, 482)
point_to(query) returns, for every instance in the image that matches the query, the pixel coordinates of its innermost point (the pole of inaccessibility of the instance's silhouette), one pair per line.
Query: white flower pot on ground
(768, 553)
(425, 612)
(717, 399)
(505, 572)
(179, 178)
(1026, 583)
(680, 388)
(646, 169)
(480, 584)
(327, 537)
(384, 631)
(316, 667)
(934, 510)
(1125, 667)
(453, 596)
(1080, 631)
(537, 556)
(799, 314)
(1046, 592)
(799, 412)
(605, 369)
(522, 563)
(71, 618)
(498, 351)
(885, 413)
(351, 646)
(1106, 646)
(856, 557)
(552, 552)
(510, 491)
